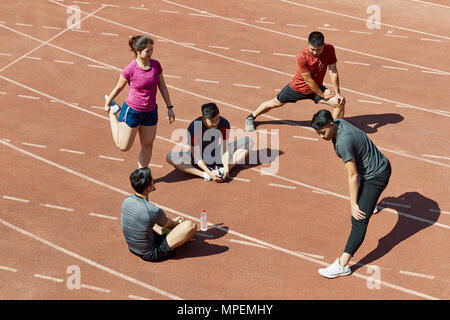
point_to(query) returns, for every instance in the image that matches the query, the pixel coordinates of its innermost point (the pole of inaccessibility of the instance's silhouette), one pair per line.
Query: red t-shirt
(317, 66)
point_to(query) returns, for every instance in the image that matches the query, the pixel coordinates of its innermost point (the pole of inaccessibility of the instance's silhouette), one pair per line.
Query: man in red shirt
(307, 82)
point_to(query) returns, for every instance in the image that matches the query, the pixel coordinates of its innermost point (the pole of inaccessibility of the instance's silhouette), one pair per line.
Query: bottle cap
(203, 210)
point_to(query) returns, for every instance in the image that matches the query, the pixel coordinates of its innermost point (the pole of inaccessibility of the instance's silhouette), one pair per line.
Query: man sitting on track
(368, 172)
(208, 158)
(139, 217)
(307, 82)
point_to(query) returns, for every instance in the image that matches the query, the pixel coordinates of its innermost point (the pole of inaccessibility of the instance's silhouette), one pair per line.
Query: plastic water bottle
(203, 221)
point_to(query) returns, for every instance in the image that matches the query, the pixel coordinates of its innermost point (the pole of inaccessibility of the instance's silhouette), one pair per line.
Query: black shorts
(287, 94)
(160, 249)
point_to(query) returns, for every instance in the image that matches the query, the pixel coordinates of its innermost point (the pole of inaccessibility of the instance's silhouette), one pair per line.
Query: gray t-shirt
(138, 218)
(350, 142)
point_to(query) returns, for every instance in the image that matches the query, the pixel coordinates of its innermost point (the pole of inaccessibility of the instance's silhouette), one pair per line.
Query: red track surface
(268, 241)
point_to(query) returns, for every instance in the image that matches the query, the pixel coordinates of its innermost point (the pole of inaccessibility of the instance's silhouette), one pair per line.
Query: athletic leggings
(369, 192)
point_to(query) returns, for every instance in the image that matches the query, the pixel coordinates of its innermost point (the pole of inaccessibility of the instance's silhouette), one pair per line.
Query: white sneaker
(335, 270)
(114, 107)
(220, 171)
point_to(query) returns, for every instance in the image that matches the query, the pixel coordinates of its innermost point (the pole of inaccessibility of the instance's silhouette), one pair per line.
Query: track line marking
(33, 58)
(358, 63)
(2, 92)
(23, 24)
(360, 32)
(50, 27)
(34, 145)
(16, 199)
(312, 255)
(72, 151)
(52, 206)
(168, 11)
(208, 81)
(28, 97)
(239, 179)
(40, 276)
(248, 243)
(176, 212)
(81, 2)
(80, 30)
(433, 40)
(85, 286)
(251, 51)
(246, 86)
(5, 54)
(328, 29)
(414, 157)
(305, 138)
(414, 274)
(110, 158)
(282, 186)
(62, 61)
(395, 36)
(99, 67)
(296, 25)
(204, 15)
(319, 192)
(137, 297)
(396, 68)
(172, 76)
(266, 22)
(139, 8)
(219, 47)
(434, 72)
(431, 3)
(284, 54)
(102, 216)
(434, 156)
(369, 101)
(109, 34)
(8, 269)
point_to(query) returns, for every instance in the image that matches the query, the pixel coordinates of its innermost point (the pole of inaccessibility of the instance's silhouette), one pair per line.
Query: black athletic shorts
(160, 249)
(287, 94)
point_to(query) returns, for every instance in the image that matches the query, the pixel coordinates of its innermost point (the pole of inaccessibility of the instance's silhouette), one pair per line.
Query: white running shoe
(220, 171)
(113, 106)
(335, 270)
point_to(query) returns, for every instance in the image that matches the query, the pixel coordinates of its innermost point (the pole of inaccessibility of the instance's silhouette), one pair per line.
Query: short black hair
(321, 118)
(210, 110)
(316, 39)
(140, 179)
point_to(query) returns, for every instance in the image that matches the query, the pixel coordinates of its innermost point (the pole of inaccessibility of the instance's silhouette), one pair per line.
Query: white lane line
(403, 106)
(137, 297)
(433, 40)
(434, 72)
(98, 67)
(208, 81)
(360, 32)
(246, 86)
(434, 156)
(444, 111)
(81, 2)
(16, 199)
(358, 63)
(80, 30)
(72, 151)
(319, 192)
(205, 15)
(284, 55)
(34, 145)
(431, 3)
(439, 211)
(109, 34)
(414, 157)
(172, 76)
(139, 8)
(52, 206)
(305, 138)
(33, 58)
(110, 158)
(168, 11)
(40, 276)
(8, 269)
(311, 255)
(97, 107)
(85, 286)
(296, 25)
(154, 165)
(2, 92)
(251, 51)
(396, 204)
(414, 274)
(186, 43)
(396, 68)
(50, 27)
(102, 216)
(5, 54)
(62, 61)
(266, 22)
(328, 29)
(282, 186)
(28, 97)
(239, 179)
(395, 36)
(176, 212)
(23, 24)
(248, 243)
(369, 101)
(219, 47)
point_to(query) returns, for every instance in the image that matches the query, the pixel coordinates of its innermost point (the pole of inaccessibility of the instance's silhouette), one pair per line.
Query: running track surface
(63, 181)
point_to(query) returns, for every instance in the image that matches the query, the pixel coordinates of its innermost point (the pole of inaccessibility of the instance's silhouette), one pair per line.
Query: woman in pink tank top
(139, 112)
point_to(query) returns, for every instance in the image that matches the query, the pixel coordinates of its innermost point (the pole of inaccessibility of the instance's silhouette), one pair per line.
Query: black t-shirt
(208, 139)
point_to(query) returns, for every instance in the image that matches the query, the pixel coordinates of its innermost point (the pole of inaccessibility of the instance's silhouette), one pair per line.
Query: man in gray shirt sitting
(368, 172)
(139, 217)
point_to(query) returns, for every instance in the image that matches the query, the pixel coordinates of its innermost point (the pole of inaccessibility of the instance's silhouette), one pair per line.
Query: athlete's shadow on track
(200, 247)
(255, 158)
(425, 211)
(369, 123)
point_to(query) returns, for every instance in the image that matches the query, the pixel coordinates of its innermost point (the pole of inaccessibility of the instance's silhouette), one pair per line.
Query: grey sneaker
(114, 107)
(335, 270)
(249, 124)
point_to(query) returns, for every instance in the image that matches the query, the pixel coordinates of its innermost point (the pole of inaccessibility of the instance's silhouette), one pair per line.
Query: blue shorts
(135, 118)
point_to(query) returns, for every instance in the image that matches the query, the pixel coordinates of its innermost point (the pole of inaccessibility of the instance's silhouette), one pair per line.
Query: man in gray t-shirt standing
(139, 217)
(368, 172)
